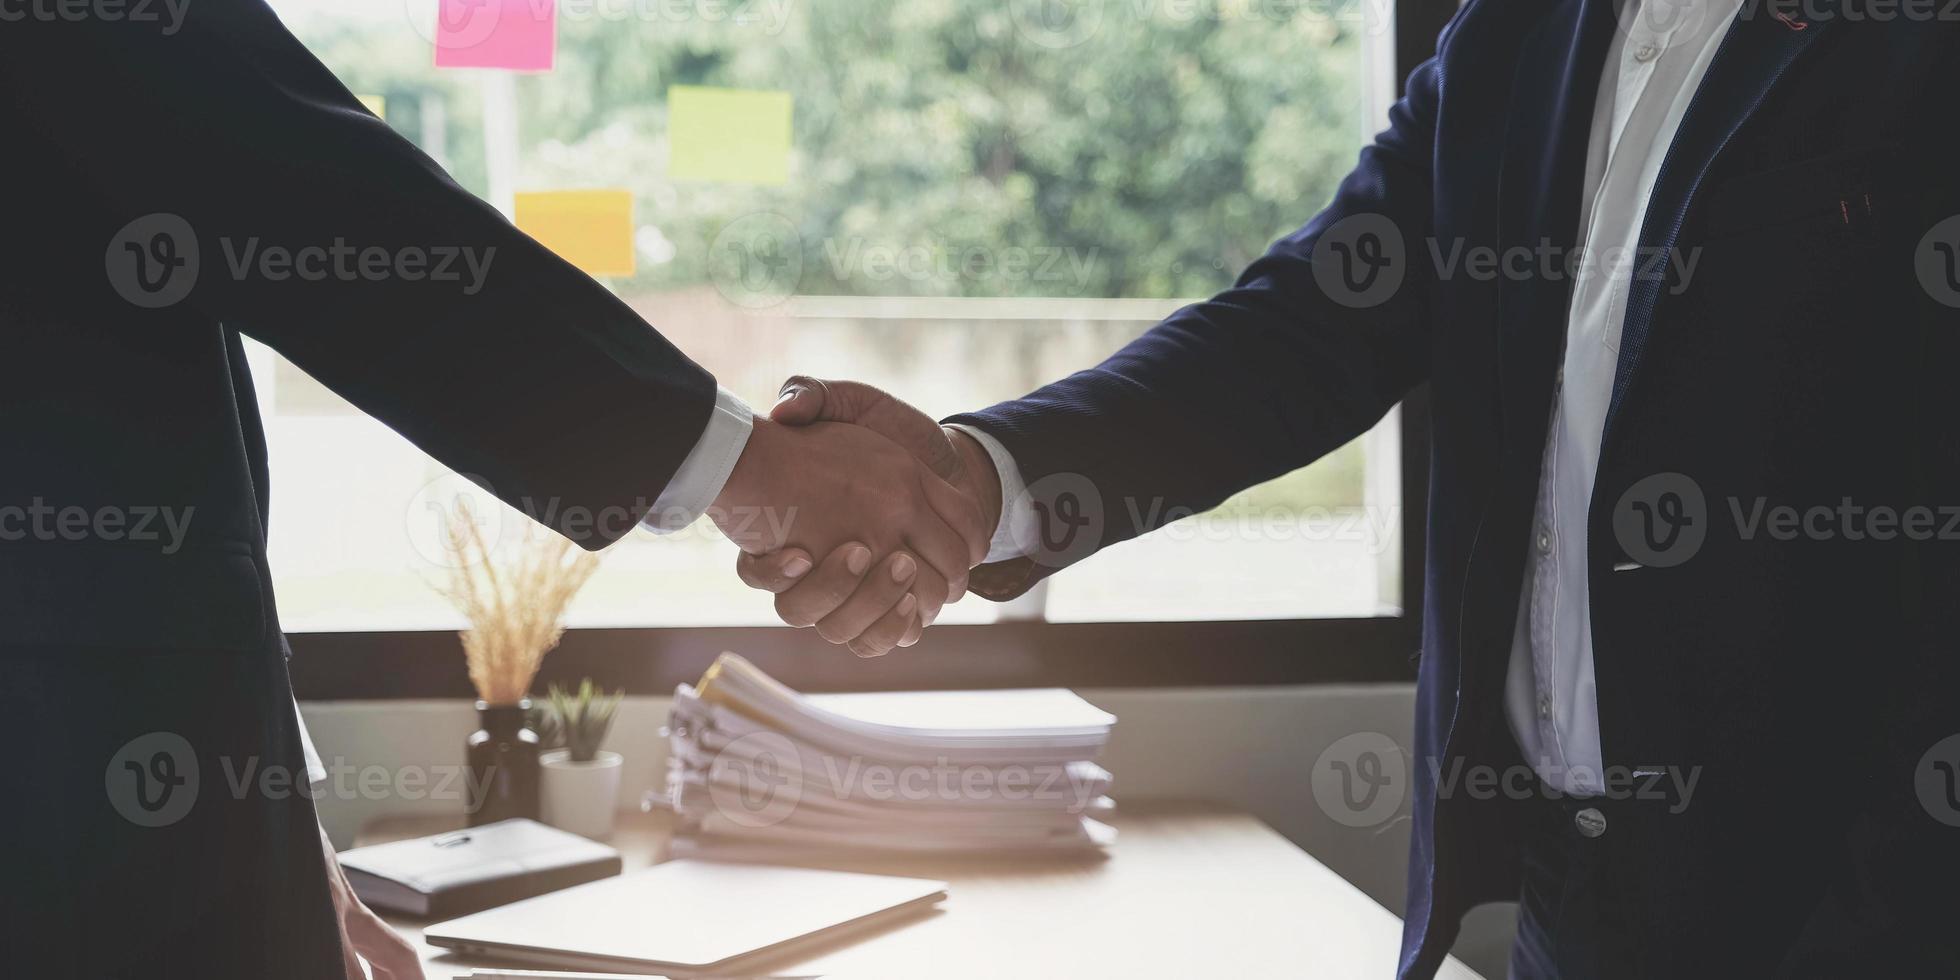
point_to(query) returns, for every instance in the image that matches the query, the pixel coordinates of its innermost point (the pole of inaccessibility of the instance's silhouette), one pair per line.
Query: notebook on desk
(686, 917)
(453, 873)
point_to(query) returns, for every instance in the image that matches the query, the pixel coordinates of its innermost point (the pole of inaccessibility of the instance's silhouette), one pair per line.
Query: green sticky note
(725, 134)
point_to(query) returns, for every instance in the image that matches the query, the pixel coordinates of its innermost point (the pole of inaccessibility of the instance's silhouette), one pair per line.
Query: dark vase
(503, 759)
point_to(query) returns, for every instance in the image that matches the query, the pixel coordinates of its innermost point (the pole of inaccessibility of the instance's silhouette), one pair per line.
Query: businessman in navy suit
(140, 647)
(1691, 569)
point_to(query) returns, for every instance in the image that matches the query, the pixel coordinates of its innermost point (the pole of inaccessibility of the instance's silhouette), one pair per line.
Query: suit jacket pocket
(1842, 193)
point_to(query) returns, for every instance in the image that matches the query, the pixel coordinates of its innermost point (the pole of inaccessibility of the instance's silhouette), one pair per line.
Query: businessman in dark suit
(139, 641)
(1691, 566)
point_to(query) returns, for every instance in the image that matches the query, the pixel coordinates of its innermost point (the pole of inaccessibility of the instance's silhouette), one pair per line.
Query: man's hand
(855, 496)
(802, 597)
(363, 936)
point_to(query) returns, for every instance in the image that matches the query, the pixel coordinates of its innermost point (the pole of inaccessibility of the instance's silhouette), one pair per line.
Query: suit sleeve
(517, 371)
(1305, 352)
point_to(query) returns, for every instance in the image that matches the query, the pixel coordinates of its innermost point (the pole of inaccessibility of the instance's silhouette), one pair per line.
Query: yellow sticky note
(590, 229)
(375, 104)
(726, 134)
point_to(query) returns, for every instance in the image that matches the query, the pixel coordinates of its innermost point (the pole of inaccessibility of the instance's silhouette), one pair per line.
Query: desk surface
(1189, 890)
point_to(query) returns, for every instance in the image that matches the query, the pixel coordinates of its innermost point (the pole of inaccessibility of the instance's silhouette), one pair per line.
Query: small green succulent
(578, 722)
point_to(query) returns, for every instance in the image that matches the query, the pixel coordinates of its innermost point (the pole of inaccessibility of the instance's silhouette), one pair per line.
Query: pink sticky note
(519, 35)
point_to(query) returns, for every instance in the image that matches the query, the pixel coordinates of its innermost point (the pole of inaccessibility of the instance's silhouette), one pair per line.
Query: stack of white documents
(757, 769)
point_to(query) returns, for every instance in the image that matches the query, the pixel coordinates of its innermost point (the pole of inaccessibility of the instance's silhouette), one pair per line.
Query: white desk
(1189, 891)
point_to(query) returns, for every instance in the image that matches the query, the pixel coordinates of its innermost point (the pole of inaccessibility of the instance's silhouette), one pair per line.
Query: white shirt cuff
(1017, 517)
(316, 771)
(705, 470)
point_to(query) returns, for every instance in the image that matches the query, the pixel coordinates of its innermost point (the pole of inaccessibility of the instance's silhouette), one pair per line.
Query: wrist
(746, 480)
(981, 480)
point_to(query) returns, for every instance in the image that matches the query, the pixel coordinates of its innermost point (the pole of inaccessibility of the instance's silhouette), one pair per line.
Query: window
(982, 196)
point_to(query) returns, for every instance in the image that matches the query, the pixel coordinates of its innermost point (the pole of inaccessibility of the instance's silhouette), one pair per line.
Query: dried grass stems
(515, 604)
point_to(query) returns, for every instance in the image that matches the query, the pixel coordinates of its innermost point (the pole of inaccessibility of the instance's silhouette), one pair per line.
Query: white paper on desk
(710, 747)
(950, 719)
(691, 711)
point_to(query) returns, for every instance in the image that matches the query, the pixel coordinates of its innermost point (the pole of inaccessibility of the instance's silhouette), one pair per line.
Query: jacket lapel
(1542, 179)
(1761, 45)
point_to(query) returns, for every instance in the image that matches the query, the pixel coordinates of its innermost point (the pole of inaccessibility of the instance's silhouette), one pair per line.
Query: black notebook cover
(469, 870)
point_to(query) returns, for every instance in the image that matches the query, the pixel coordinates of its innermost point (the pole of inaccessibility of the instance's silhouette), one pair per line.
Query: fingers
(350, 962)
(963, 514)
(888, 586)
(942, 548)
(818, 593)
(800, 402)
(931, 590)
(805, 400)
(776, 571)
(389, 956)
(898, 627)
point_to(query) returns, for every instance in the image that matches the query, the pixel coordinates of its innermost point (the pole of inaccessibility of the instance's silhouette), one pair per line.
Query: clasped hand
(888, 499)
(873, 487)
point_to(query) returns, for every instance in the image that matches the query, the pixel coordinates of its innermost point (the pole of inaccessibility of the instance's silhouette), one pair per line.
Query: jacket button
(1591, 822)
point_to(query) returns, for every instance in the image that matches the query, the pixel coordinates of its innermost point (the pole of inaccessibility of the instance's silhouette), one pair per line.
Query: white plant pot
(580, 797)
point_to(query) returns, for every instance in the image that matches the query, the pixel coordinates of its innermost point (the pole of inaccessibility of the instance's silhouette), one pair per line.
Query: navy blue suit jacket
(1806, 681)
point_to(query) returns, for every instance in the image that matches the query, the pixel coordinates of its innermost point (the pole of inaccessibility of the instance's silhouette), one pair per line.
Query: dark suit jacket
(1802, 363)
(540, 384)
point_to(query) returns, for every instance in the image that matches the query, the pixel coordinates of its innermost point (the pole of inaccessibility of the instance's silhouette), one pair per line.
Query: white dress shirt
(705, 470)
(1653, 69)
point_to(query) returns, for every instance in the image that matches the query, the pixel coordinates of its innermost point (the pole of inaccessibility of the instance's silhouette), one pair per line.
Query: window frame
(394, 665)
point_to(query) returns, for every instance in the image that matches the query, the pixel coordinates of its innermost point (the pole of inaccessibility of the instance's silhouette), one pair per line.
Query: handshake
(859, 512)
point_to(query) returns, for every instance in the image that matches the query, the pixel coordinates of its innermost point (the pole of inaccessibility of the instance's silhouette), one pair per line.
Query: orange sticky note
(726, 134)
(519, 35)
(591, 229)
